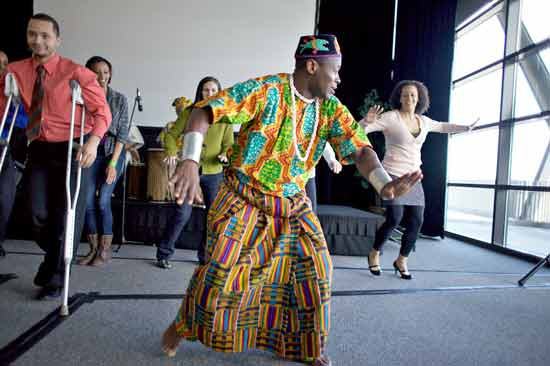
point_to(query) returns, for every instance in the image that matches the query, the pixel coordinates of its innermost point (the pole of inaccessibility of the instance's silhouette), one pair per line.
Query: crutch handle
(10, 87)
(77, 91)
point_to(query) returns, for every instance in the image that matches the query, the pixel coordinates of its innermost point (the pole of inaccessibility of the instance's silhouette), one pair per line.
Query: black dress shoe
(164, 264)
(43, 276)
(48, 293)
(2, 251)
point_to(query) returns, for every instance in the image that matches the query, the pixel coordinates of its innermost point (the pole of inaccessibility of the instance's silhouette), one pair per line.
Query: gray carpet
(463, 307)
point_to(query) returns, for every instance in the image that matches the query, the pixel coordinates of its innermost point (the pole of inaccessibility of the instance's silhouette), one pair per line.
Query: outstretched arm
(451, 127)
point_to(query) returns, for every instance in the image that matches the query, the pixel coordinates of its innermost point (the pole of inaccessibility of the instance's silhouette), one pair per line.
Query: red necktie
(35, 113)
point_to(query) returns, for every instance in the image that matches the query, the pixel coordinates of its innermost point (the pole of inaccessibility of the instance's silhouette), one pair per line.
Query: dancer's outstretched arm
(451, 127)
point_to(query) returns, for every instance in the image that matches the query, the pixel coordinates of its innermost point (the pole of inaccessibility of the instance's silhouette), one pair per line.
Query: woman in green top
(218, 140)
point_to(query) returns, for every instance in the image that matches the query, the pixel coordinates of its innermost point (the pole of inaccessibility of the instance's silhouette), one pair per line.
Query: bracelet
(192, 146)
(112, 163)
(379, 178)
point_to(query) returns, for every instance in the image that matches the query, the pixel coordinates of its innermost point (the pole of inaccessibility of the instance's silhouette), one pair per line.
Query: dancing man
(267, 278)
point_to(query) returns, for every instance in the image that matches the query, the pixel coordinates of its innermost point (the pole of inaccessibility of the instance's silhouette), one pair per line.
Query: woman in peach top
(405, 129)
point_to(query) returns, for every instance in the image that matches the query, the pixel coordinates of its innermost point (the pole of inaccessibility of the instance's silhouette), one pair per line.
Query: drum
(157, 176)
(136, 181)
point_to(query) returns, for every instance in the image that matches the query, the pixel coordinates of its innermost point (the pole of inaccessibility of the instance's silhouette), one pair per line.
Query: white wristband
(192, 146)
(379, 178)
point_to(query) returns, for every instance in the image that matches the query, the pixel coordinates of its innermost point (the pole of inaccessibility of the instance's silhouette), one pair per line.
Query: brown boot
(92, 239)
(104, 252)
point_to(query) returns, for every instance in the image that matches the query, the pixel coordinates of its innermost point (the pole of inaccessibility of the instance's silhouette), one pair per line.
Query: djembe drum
(157, 176)
(136, 181)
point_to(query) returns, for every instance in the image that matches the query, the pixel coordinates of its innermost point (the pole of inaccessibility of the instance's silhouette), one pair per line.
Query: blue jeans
(98, 209)
(210, 184)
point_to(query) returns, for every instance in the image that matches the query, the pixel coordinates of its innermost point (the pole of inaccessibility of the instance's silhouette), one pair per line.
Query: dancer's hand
(471, 127)
(372, 115)
(400, 186)
(110, 173)
(335, 166)
(86, 154)
(186, 183)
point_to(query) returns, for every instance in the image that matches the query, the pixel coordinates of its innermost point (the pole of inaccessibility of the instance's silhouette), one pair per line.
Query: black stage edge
(348, 231)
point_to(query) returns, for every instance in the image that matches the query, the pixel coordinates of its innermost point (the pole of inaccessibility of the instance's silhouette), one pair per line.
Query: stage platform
(348, 231)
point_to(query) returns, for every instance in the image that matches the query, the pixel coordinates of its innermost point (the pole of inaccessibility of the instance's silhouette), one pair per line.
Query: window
(479, 97)
(529, 222)
(472, 157)
(534, 17)
(530, 156)
(471, 52)
(501, 73)
(470, 210)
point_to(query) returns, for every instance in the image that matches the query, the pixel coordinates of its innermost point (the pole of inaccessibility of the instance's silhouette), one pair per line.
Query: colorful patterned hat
(318, 46)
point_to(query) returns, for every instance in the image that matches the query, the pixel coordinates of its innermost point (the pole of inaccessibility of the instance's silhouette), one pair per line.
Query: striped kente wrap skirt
(267, 280)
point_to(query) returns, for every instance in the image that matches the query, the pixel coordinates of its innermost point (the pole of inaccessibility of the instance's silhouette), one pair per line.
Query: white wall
(165, 47)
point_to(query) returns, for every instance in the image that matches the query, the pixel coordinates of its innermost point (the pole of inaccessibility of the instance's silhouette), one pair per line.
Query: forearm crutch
(71, 201)
(12, 93)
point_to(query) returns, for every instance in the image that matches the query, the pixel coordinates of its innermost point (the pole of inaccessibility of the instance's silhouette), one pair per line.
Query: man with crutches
(46, 93)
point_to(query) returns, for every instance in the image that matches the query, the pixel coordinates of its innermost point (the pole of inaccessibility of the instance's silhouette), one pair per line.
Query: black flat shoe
(404, 275)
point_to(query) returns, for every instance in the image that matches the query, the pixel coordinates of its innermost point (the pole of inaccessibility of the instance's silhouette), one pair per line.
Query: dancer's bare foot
(170, 341)
(322, 360)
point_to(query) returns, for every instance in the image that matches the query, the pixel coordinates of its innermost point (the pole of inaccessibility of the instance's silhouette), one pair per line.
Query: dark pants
(46, 175)
(311, 192)
(8, 185)
(412, 217)
(99, 216)
(210, 184)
